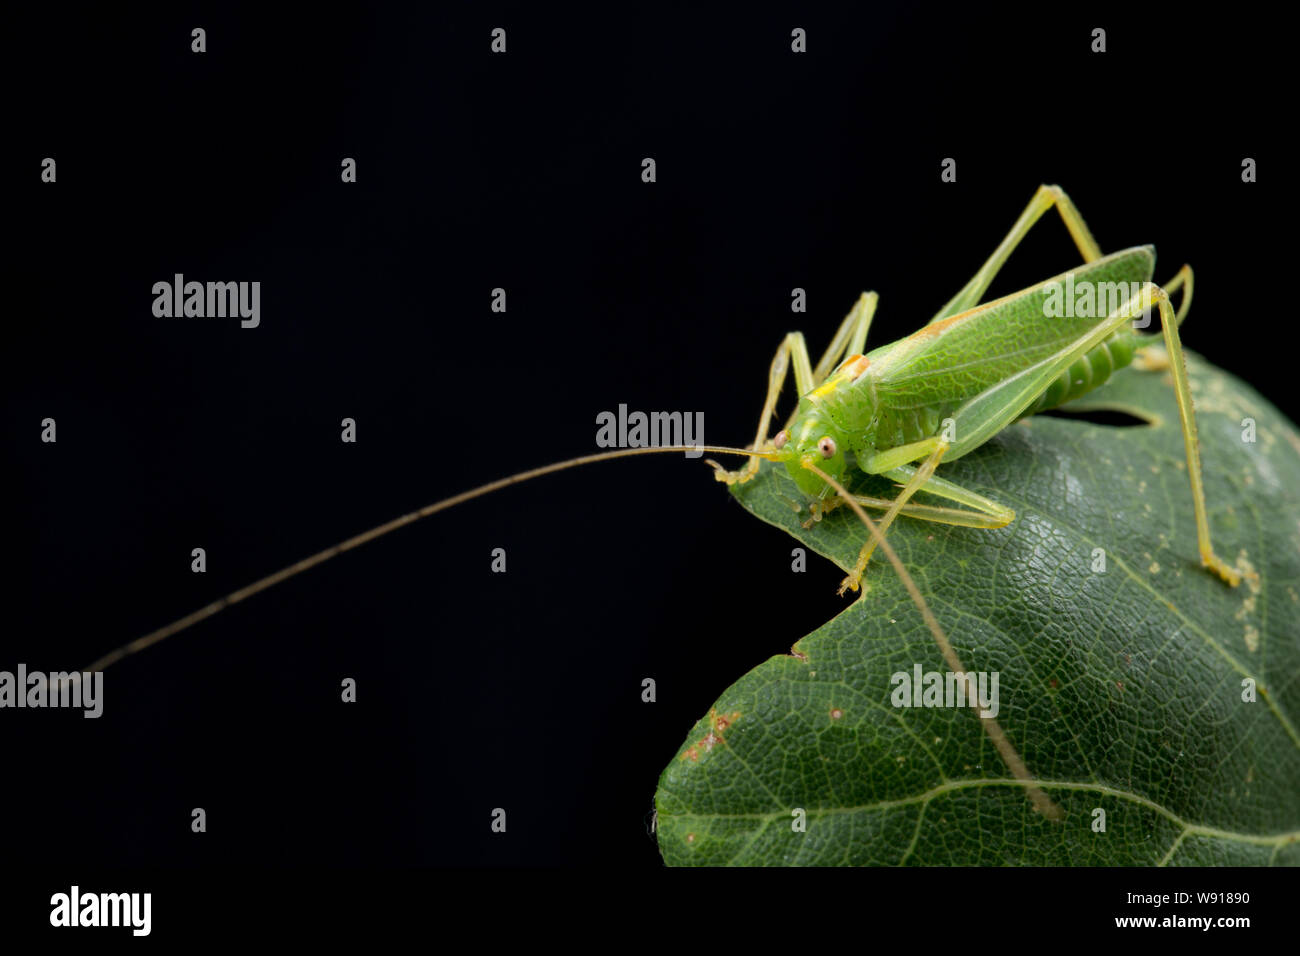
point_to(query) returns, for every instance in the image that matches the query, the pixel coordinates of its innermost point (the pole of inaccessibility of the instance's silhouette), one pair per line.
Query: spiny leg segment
(1183, 393)
(1151, 357)
(1044, 199)
(922, 475)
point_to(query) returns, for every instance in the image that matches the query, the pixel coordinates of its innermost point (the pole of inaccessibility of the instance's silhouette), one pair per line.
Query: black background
(521, 690)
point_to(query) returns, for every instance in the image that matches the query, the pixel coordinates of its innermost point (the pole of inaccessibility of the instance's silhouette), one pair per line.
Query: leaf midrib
(1193, 829)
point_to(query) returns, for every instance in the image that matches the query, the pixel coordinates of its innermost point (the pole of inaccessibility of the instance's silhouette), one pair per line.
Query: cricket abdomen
(1087, 373)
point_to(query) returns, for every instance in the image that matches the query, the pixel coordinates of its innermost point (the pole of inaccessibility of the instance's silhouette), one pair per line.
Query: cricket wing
(984, 415)
(1001, 345)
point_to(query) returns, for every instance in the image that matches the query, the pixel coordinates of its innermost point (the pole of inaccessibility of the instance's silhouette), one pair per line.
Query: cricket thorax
(845, 404)
(834, 418)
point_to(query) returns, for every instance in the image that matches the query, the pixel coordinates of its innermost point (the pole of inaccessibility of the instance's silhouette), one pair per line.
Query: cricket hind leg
(984, 415)
(1191, 446)
(1183, 277)
(1150, 357)
(1044, 199)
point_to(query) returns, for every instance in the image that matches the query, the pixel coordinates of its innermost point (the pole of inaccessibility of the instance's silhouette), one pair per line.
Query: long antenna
(320, 557)
(1041, 802)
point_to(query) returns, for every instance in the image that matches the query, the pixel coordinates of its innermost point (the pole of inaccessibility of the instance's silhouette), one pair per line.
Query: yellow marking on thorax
(855, 366)
(850, 370)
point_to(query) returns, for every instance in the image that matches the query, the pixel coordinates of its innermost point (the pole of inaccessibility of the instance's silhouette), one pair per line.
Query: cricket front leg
(792, 349)
(850, 338)
(936, 448)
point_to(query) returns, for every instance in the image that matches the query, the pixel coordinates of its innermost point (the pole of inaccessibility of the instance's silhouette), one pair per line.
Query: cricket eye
(827, 447)
(781, 438)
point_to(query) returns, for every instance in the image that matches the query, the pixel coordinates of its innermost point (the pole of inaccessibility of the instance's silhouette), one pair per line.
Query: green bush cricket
(973, 370)
(930, 397)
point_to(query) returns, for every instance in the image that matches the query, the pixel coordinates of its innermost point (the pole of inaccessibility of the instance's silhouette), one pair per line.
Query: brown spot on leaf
(717, 724)
(836, 714)
(722, 721)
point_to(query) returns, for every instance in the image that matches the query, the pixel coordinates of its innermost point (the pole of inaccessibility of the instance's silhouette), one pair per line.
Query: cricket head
(814, 439)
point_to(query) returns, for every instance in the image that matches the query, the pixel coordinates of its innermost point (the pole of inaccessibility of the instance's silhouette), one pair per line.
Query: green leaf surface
(1122, 690)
